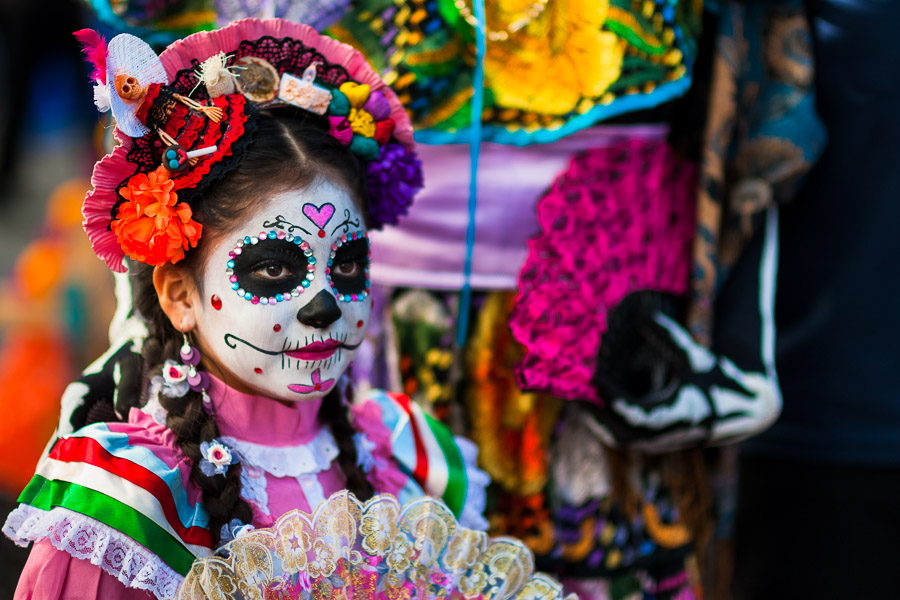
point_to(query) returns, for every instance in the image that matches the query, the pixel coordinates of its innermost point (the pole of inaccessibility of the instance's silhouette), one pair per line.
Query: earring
(190, 356)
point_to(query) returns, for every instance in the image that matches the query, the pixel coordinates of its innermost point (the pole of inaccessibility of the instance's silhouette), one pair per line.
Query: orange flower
(150, 226)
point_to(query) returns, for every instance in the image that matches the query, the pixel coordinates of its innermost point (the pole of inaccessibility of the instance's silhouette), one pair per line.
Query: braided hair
(291, 148)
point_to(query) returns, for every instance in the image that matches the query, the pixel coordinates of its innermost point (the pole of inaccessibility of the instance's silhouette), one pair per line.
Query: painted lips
(315, 351)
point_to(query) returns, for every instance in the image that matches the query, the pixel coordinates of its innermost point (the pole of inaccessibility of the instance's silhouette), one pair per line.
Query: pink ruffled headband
(184, 118)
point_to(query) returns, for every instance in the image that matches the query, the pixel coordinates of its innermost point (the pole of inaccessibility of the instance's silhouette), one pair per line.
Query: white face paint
(273, 313)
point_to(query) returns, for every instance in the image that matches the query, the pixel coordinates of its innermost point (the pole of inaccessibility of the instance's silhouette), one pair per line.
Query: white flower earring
(178, 378)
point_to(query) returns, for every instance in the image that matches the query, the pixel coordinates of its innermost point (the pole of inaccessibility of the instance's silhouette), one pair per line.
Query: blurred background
(730, 86)
(50, 137)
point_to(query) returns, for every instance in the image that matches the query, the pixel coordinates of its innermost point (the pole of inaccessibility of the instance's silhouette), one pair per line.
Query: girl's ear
(176, 295)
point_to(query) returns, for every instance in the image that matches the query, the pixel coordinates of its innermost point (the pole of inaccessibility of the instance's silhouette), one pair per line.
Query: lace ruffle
(87, 539)
(253, 487)
(288, 461)
(476, 492)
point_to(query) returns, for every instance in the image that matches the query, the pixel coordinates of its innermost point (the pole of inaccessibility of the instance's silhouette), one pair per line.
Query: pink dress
(288, 462)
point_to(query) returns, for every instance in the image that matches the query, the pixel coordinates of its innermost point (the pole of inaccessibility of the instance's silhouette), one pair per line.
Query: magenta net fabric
(618, 220)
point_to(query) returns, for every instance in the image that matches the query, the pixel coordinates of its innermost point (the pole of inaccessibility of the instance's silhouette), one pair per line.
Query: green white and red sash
(97, 473)
(426, 450)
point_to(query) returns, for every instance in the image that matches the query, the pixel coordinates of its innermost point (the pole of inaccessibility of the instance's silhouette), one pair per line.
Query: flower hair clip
(152, 226)
(216, 458)
(233, 530)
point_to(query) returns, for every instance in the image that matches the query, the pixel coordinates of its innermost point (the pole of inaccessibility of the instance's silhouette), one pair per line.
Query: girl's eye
(273, 271)
(348, 269)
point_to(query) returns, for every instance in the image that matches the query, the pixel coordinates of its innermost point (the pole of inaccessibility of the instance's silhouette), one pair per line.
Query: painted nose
(321, 311)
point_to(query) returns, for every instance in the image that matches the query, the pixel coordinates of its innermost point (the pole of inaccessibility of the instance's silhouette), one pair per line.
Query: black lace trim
(228, 162)
(161, 108)
(287, 55)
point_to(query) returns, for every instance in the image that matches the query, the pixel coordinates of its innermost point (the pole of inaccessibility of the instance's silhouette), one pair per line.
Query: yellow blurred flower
(558, 57)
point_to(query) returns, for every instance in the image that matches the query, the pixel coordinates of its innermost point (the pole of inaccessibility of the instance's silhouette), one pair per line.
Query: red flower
(150, 226)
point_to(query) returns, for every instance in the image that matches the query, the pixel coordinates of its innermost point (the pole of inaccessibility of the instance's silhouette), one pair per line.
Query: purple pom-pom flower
(393, 180)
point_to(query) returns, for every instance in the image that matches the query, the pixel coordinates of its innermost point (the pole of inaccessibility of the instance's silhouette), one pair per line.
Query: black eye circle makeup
(348, 267)
(270, 268)
(276, 266)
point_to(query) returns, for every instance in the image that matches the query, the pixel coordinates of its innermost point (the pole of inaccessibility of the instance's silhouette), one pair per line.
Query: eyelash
(270, 262)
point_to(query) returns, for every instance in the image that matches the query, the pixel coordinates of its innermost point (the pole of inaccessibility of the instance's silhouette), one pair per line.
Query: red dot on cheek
(258, 371)
(216, 302)
(277, 327)
(321, 233)
(360, 323)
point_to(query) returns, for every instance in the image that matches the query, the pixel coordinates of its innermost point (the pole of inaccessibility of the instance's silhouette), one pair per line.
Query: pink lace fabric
(618, 220)
(385, 474)
(87, 539)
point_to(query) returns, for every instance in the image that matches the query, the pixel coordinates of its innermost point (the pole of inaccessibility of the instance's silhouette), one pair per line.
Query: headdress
(184, 119)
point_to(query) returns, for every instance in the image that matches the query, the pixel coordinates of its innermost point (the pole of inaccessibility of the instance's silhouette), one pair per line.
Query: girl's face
(283, 300)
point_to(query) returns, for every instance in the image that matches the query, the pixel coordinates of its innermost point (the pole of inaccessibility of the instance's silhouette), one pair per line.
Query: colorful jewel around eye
(356, 235)
(255, 239)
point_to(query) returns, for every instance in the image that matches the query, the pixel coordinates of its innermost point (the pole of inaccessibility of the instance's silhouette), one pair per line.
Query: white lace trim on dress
(253, 487)
(88, 539)
(288, 461)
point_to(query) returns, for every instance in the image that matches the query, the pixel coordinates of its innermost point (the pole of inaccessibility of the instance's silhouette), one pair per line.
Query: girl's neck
(262, 420)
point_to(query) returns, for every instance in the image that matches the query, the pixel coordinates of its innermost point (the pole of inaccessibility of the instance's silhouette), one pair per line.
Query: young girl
(252, 162)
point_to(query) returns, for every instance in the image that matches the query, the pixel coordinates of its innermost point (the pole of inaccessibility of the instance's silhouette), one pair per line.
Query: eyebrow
(279, 221)
(347, 223)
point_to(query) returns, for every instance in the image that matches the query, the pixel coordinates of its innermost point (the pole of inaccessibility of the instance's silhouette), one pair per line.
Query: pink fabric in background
(620, 219)
(428, 248)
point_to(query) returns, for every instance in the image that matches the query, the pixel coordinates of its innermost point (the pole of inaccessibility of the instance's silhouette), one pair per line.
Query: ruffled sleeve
(117, 495)
(476, 492)
(374, 449)
(433, 461)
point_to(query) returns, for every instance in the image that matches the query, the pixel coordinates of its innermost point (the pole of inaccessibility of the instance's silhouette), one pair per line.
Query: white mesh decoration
(131, 56)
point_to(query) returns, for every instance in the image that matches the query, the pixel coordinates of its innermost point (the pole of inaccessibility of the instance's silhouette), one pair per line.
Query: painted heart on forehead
(291, 299)
(319, 215)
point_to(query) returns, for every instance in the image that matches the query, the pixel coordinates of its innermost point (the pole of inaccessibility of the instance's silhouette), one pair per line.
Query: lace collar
(288, 461)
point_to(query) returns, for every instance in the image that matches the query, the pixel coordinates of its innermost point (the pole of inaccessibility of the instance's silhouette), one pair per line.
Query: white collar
(288, 461)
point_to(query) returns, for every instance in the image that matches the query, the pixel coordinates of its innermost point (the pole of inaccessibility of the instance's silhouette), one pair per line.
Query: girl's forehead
(314, 207)
(321, 216)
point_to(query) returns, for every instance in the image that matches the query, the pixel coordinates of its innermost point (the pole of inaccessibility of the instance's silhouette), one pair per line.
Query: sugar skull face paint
(291, 297)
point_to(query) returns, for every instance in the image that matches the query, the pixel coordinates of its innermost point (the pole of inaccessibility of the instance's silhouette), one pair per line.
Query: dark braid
(333, 414)
(185, 415)
(291, 148)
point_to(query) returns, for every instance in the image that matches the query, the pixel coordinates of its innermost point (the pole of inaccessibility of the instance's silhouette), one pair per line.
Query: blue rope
(465, 297)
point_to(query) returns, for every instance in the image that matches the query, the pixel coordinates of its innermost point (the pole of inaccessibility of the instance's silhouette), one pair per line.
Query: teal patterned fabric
(763, 135)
